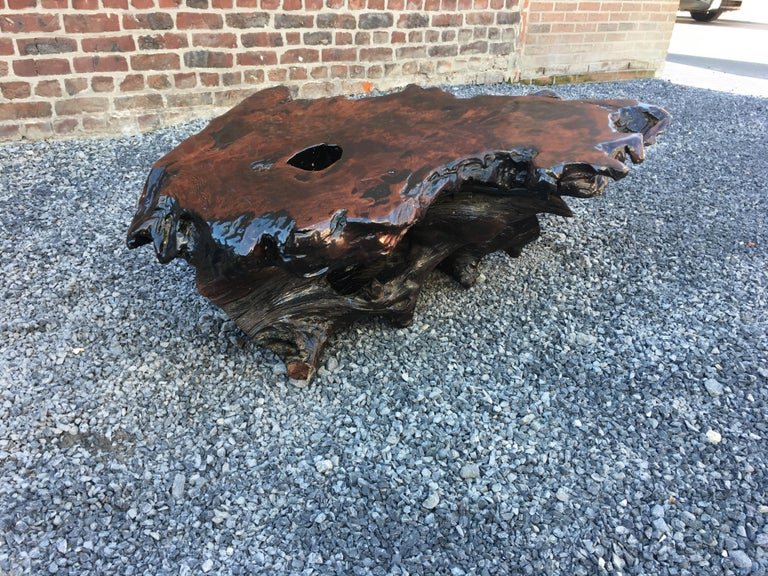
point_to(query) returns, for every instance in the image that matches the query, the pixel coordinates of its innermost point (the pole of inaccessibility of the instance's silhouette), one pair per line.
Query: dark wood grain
(301, 215)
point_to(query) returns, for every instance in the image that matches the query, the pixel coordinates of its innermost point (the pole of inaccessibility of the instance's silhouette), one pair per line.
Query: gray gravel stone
(177, 489)
(470, 471)
(116, 378)
(741, 560)
(713, 387)
(431, 502)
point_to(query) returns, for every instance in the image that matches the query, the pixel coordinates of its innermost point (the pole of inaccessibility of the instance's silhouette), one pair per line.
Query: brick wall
(69, 67)
(595, 39)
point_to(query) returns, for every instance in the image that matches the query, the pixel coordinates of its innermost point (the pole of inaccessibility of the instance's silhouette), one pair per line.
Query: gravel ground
(599, 404)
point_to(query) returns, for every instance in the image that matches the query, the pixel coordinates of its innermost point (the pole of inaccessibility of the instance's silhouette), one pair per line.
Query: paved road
(727, 54)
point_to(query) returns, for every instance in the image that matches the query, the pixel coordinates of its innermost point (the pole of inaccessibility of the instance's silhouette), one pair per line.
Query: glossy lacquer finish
(302, 215)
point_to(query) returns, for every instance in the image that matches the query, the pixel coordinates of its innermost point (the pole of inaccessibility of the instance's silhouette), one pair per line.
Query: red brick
(106, 63)
(75, 85)
(132, 83)
(15, 90)
(291, 4)
(269, 4)
(247, 20)
(247, 3)
(185, 80)
(294, 21)
(313, 5)
(141, 102)
(148, 122)
(65, 126)
(209, 79)
(19, 110)
(215, 40)
(382, 37)
(55, 4)
(277, 75)
(48, 89)
(412, 52)
(205, 21)
(346, 21)
(230, 97)
(222, 4)
(375, 54)
(253, 76)
(449, 19)
(37, 130)
(151, 21)
(42, 46)
(479, 18)
(319, 72)
(261, 39)
(158, 82)
(478, 47)
(110, 44)
(168, 3)
(85, 4)
(376, 5)
(231, 78)
(296, 73)
(187, 100)
(167, 41)
(16, 23)
(155, 62)
(261, 58)
(343, 38)
(115, 4)
(41, 67)
(21, 4)
(396, 5)
(443, 51)
(334, 4)
(339, 54)
(6, 46)
(3, 68)
(207, 59)
(102, 84)
(91, 23)
(293, 38)
(142, 4)
(299, 56)
(323, 38)
(75, 106)
(317, 89)
(94, 123)
(374, 20)
(9, 132)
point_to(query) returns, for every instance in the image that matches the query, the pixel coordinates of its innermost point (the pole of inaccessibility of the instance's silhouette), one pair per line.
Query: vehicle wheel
(706, 16)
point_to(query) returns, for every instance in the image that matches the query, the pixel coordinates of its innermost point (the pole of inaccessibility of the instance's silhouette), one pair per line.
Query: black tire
(706, 16)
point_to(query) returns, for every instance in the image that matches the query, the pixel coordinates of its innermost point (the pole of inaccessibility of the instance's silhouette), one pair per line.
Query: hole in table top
(316, 158)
